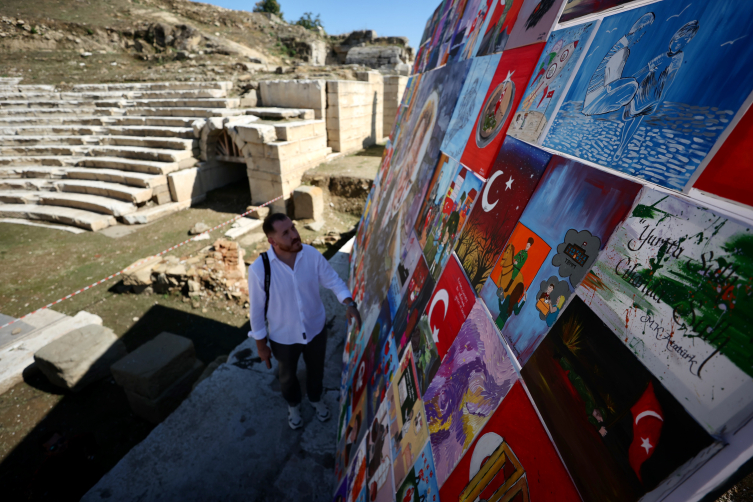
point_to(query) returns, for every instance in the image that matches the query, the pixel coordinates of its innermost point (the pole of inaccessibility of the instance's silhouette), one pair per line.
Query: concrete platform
(229, 440)
(66, 216)
(94, 203)
(127, 193)
(49, 325)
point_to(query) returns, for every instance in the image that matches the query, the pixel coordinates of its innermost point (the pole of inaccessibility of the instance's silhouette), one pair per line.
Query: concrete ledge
(50, 325)
(237, 422)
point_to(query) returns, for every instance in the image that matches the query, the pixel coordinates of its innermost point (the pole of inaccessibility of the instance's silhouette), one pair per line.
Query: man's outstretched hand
(265, 353)
(352, 314)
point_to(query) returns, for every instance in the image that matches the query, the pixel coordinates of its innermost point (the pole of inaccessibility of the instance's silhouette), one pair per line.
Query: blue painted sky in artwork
(570, 195)
(672, 128)
(712, 74)
(469, 103)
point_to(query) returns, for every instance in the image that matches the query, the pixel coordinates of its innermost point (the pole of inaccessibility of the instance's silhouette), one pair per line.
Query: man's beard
(293, 248)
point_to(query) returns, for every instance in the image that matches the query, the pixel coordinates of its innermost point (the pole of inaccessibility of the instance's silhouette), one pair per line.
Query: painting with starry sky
(512, 180)
(573, 212)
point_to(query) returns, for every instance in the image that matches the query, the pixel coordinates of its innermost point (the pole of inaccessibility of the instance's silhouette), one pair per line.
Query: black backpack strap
(267, 278)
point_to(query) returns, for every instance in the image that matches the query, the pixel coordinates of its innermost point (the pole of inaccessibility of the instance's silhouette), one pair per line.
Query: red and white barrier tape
(140, 262)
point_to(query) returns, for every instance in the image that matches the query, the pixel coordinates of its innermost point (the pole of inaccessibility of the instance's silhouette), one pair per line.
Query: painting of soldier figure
(566, 223)
(442, 232)
(512, 180)
(658, 87)
(620, 432)
(674, 285)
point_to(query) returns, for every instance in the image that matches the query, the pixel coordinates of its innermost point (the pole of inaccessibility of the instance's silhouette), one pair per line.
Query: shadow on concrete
(88, 432)
(372, 151)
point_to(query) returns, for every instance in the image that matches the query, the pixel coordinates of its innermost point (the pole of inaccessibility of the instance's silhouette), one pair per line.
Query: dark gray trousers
(287, 363)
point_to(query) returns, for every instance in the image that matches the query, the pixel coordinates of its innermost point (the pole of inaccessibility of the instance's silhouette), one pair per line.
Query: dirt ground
(55, 445)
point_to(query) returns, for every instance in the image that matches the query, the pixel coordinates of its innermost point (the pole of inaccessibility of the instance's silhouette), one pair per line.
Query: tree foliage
(269, 6)
(309, 22)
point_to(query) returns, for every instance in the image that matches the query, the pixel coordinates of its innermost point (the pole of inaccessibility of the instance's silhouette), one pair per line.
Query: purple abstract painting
(474, 376)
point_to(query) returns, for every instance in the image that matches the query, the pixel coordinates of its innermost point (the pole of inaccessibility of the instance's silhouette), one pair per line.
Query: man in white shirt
(294, 312)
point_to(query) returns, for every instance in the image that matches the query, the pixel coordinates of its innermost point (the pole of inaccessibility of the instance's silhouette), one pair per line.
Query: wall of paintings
(555, 263)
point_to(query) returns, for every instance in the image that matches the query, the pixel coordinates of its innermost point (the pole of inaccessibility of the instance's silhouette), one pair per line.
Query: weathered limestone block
(80, 357)
(141, 275)
(355, 112)
(152, 368)
(394, 88)
(157, 409)
(259, 213)
(309, 203)
(250, 99)
(185, 185)
(256, 133)
(294, 131)
(311, 94)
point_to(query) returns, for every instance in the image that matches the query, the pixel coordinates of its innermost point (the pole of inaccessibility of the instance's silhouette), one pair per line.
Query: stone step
(183, 112)
(136, 152)
(155, 86)
(88, 202)
(281, 113)
(130, 152)
(159, 103)
(65, 215)
(19, 196)
(129, 178)
(27, 184)
(62, 120)
(149, 121)
(90, 120)
(136, 179)
(150, 214)
(137, 165)
(40, 160)
(135, 195)
(16, 104)
(82, 130)
(114, 140)
(21, 112)
(30, 88)
(96, 96)
(33, 172)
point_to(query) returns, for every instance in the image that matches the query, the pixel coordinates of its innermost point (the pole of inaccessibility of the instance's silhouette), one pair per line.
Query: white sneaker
(294, 417)
(322, 412)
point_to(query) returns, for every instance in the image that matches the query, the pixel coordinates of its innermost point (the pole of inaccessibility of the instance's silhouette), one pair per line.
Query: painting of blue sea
(626, 108)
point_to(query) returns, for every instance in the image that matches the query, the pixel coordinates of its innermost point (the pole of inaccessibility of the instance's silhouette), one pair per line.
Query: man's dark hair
(269, 222)
(530, 241)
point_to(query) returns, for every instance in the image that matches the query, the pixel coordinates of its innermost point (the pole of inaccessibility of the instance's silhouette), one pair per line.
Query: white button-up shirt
(296, 312)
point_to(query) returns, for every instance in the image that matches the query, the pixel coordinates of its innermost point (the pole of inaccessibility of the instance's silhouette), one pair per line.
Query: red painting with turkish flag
(647, 423)
(729, 174)
(512, 458)
(501, 101)
(450, 304)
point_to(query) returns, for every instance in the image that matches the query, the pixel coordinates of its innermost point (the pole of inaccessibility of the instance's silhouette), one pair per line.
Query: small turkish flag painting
(648, 420)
